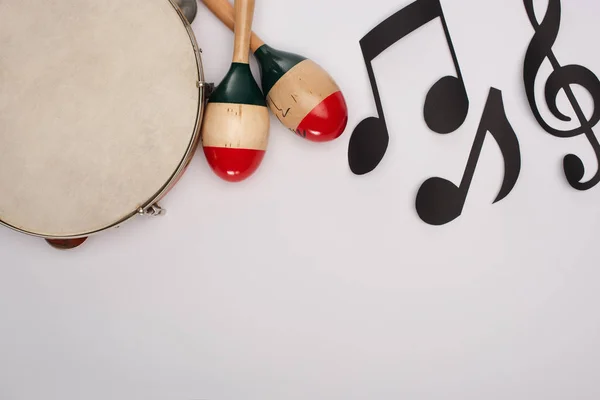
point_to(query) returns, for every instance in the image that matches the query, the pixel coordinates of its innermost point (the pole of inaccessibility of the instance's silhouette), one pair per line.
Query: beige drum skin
(100, 110)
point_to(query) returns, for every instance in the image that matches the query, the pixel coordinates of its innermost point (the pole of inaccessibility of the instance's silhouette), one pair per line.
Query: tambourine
(101, 106)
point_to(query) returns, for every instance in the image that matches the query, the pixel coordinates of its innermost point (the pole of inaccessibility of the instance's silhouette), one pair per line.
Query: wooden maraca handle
(244, 13)
(225, 12)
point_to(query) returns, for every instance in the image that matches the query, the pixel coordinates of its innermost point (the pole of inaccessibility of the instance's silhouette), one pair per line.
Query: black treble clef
(561, 78)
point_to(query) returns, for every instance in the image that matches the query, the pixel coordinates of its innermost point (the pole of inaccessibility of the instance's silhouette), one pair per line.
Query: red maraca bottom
(327, 121)
(233, 165)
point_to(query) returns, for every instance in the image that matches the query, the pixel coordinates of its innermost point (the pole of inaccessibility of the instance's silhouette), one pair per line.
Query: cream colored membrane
(98, 104)
(240, 126)
(299, 91)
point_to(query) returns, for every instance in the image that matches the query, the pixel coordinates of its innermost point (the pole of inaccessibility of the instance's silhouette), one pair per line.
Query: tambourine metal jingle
(100, 111)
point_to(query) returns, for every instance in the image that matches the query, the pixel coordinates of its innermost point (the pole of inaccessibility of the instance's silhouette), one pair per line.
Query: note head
(574, 169)
(439, 201)
(446, 105)
(368, 145)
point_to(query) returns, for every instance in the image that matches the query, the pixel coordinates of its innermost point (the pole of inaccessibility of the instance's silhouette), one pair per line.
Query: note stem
(465, 183)
(375, 90)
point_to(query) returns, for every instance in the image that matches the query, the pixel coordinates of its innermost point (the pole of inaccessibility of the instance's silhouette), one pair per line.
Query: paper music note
(561, 78)
(446, 105)
(440, 201)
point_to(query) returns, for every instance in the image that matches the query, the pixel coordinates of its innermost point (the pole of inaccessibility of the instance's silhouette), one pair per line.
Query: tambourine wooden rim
(150, 207)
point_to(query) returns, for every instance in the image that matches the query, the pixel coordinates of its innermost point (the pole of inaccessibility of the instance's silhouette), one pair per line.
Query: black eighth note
(440, 201)
(446, 105)
(561, 78)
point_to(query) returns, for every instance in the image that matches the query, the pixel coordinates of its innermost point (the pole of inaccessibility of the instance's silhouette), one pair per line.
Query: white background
(307, 282)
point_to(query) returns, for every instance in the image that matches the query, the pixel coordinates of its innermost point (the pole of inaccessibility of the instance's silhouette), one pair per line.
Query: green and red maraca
(302, 95)
(235, 129)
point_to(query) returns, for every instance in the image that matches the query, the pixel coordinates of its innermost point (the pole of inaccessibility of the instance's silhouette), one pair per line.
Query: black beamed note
(446, 105)
(440, 201)
(561, 78)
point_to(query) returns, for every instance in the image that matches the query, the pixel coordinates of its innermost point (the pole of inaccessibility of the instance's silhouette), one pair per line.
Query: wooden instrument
(302, 95)
(100, 111)
(235, 131)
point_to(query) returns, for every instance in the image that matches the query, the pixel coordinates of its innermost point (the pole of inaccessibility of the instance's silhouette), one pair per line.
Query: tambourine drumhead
(99, 110)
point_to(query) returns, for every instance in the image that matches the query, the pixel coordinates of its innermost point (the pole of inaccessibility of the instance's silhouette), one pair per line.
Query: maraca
(302, 95)
(235, 130)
